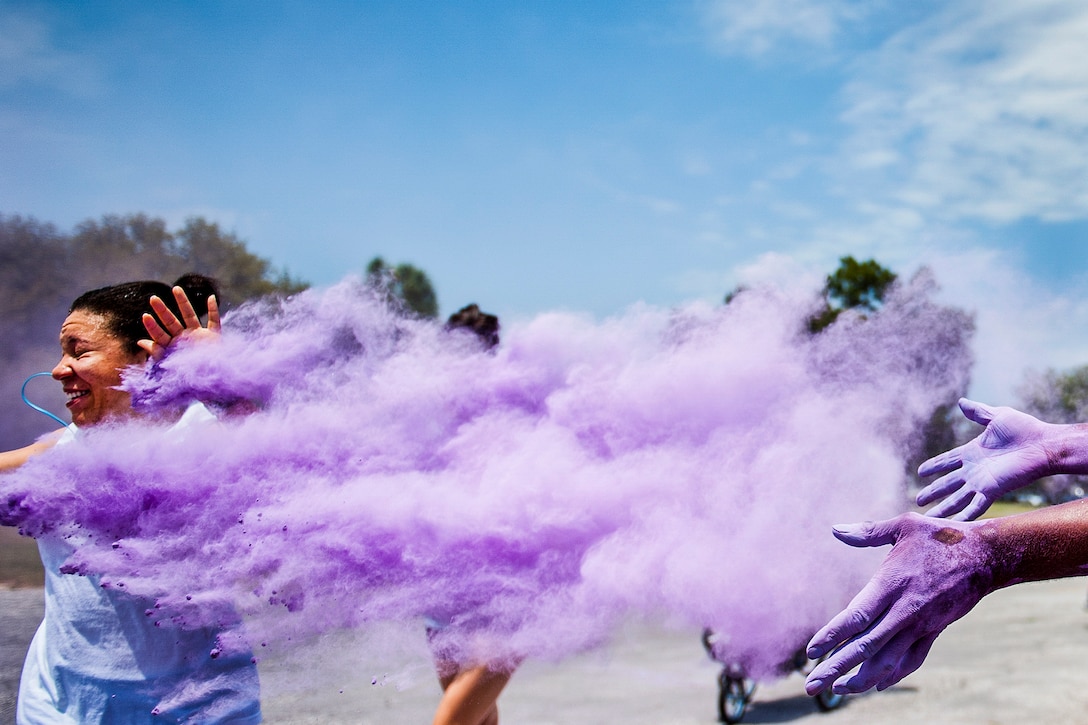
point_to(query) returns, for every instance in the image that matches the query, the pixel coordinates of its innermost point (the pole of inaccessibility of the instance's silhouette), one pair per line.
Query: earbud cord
(39, 408)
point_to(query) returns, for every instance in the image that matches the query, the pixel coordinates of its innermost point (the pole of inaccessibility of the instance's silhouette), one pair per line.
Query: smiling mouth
(74, 395)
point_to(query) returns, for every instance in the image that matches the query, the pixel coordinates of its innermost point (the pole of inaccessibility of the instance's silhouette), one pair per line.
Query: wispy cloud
(1021, 324)
(28, 57)
(976, 112)
(756, 27)
(979, 112)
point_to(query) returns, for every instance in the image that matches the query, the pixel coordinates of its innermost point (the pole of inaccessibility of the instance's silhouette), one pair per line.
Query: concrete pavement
(1021, 656)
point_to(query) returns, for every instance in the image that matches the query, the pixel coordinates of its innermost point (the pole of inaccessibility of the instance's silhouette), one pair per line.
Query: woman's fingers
(167, 327)
(169, 323)
(166, 319)
(188, 314)
(154, 329)
(213, 314)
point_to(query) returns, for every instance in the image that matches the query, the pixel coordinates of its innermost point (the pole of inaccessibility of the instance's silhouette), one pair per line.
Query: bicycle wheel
(733, 696)
(828, 700)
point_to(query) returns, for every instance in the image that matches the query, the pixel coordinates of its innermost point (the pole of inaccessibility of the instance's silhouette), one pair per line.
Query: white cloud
(981, 112)
(776, 269)
(694, 164)
(1020, 324)
(976, 113)
(755, 27)
(29, 57)
(658, 205)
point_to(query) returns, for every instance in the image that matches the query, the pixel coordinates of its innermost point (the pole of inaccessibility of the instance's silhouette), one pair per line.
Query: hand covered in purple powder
(167, 328)
(935, 573)
(1007, 455)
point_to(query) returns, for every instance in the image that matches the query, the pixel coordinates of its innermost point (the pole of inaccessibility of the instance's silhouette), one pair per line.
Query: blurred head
(98, 340)
(471, 319)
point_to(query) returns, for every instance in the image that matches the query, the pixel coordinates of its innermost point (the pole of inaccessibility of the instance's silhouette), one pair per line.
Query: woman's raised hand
(164, 331)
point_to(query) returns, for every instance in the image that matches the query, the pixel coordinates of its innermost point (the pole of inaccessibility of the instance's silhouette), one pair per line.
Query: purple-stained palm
(1010, 453)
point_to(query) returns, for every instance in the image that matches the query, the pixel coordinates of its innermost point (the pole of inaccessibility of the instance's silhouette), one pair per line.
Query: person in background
(96, 657)
(470, 693)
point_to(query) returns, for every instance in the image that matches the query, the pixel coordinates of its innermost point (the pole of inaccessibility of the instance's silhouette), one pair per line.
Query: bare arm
(935, 573)
(10, 460)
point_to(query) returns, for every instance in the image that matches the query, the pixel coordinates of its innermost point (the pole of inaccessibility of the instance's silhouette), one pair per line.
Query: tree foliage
(1057, 397)
(734, 293)
(406, 286)
(858, 284)
(207, 250)
(853, 286)
(863, 287)
(42, 270)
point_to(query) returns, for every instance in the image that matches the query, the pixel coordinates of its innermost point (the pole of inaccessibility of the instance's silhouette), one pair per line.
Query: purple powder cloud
(682, 464)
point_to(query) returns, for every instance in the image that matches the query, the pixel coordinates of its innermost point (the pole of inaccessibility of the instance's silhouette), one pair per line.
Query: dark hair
(472, 319)
(123, 305)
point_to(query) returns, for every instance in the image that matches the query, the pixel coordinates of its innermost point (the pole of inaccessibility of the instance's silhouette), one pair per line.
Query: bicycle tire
(733, 697)
(826, 701)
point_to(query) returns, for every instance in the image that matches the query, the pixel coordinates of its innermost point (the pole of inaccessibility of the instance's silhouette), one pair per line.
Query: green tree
(1057, 397)
(119, 248)
(854, 285)
(34, 278)
(405, 285)
(122, 248)
(734, 293)
(862, 287)
(203, 247)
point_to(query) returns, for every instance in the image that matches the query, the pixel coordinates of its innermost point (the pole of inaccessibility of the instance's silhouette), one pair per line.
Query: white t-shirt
(98, 658)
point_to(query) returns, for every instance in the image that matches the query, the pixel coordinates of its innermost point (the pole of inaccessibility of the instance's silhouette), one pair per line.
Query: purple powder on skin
(676, 464)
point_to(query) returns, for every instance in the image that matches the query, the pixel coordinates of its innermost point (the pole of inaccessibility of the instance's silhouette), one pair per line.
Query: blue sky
(586, 156)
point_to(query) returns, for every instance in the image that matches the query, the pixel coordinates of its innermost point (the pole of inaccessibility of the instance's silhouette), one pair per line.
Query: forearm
(1066, 448)
(10, 460)
(1049, 543)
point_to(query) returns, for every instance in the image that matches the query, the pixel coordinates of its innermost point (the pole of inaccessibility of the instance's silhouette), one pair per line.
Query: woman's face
(90, 368)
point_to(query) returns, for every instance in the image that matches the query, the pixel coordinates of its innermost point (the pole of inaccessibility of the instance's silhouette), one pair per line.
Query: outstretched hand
(1007, 455)
(165, 330)
(935, 573)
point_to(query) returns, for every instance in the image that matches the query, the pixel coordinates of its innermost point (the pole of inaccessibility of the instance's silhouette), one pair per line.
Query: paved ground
(20, 612)
(1021, 656)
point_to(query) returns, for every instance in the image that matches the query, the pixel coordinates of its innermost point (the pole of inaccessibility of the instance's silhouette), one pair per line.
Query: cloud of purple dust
(684, 465)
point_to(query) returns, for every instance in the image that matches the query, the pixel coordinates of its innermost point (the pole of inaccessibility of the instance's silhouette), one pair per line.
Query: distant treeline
(42, 270)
